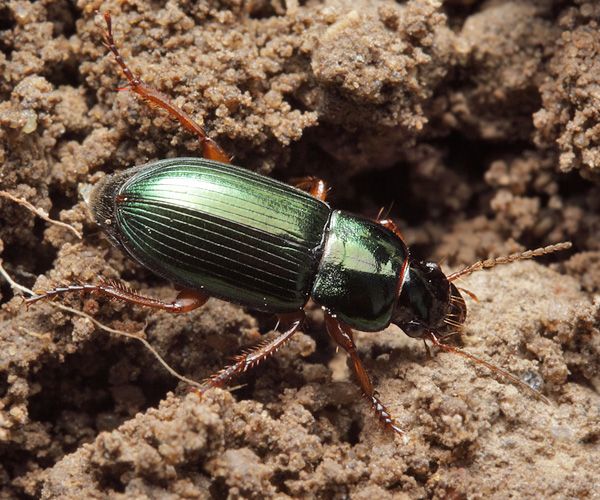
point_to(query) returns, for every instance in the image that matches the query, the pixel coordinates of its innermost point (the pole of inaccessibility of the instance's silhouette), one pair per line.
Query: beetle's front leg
(186, 300)
(252, 357)
(342, 334)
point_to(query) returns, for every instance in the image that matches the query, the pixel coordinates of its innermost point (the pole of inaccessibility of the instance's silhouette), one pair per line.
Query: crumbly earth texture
(475, 124)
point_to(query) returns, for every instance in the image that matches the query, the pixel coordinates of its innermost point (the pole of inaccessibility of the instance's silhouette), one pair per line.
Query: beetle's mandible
(217, 230)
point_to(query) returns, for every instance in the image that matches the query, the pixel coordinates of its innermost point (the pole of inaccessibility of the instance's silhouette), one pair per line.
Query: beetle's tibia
(316, 187)
(392, 226)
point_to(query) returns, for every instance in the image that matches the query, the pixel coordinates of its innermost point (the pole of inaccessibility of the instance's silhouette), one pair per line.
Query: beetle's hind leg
(186, 300)
(342, 334)
(256, 354)
(210, 149)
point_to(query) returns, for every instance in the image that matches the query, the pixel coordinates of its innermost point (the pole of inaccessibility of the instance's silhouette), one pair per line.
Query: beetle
(218, 230)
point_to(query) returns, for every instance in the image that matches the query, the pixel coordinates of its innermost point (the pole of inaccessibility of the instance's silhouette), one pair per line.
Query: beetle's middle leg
(342, 334)
(315, 187)
(210, 148)
(392, 226)
(252, 357)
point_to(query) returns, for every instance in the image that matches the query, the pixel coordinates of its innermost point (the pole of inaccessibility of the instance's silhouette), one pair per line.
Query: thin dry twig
(40, 212)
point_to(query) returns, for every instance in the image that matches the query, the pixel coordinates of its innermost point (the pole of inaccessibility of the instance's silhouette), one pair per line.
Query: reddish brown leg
(186, 300)
(342, 334)
(210, 148)
(316, 187)
(391, 225)
(251, 358)
(427, 351)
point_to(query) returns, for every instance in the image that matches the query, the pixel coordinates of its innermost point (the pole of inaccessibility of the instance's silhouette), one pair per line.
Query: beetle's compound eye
(424, 299)
(414, 329)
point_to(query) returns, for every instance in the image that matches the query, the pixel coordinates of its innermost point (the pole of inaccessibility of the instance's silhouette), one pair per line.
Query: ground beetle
(223, 231)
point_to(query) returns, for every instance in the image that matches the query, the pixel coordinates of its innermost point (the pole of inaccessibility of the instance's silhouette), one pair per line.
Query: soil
(474, 124)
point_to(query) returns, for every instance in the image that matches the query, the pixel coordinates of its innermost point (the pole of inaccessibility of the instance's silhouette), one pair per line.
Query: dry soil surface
(475, 124)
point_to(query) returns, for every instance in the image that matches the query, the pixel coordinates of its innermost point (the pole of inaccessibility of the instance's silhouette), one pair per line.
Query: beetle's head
(428, 301)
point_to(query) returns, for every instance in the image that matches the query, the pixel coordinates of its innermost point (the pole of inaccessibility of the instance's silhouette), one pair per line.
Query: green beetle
(218, 230)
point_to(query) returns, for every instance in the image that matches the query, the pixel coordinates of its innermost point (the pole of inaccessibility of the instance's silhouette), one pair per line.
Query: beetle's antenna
(469, 293)
(528, 254)
(438, 343)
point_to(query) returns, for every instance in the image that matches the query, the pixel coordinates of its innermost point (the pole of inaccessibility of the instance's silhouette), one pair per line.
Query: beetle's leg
(252, 357)
(427, 350)
(316, 187)
(210, 149)
(392, 226)
(186, 300)
(342, 334)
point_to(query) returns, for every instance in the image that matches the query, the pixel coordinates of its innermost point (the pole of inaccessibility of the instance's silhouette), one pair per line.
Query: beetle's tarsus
(383, 415)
